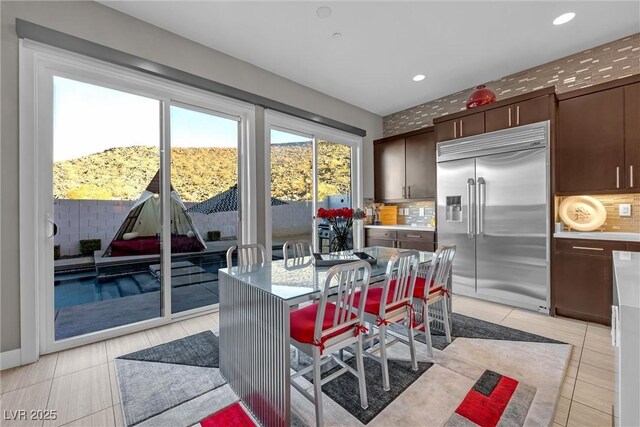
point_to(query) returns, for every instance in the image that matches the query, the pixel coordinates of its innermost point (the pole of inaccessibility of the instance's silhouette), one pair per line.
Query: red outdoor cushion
(418, 291)
(303, 322)
(374, 298)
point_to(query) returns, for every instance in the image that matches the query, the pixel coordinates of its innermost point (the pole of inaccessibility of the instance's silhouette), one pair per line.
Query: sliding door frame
(315, 132)
(38, 64)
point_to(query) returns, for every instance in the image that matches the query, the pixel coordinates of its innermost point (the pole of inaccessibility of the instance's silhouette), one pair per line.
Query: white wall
(101, 219)
(100, 24)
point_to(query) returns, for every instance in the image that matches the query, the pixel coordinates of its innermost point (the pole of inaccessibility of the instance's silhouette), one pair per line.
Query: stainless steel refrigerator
(493, 204)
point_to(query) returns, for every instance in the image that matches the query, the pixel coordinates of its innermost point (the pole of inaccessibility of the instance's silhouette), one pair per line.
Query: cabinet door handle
(461, 128)
(413, 236)
(404, 192)
(517, 115)
(509, 116)
(631, 176)
(586, 248)
(455, 124)
(408, 192)
(618, 177)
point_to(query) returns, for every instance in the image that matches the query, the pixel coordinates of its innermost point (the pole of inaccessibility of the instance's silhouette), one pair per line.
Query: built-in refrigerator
(493, 204)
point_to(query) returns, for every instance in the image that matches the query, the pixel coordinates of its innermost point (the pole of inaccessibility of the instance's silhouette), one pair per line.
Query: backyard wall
(100, 24)
(101, 219)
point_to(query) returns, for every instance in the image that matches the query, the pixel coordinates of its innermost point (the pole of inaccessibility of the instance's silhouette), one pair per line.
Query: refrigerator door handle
(471, 196)
(482, 196)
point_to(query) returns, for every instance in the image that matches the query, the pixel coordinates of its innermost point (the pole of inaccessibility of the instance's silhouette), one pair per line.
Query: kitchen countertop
(599, 235)
(401, 227)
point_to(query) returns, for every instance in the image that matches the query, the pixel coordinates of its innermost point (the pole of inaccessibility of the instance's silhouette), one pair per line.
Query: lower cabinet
(582, 282)
(419, 240)
(633, 247)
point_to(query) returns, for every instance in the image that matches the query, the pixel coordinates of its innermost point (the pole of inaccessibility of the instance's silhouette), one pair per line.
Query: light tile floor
(80, 383)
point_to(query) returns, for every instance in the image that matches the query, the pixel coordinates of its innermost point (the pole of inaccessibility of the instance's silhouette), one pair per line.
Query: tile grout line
(51, 386)
(584, 338)
(88, 415)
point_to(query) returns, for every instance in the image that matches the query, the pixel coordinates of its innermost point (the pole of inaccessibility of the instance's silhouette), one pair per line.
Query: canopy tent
(138, 233)
(227, 201)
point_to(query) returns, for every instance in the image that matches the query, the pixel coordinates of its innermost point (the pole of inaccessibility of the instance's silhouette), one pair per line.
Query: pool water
(82, 287)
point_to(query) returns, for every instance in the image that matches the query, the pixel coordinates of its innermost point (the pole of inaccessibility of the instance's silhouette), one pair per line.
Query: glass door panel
(204, 203)
(106, 191)
(334, 185)
(291, 189)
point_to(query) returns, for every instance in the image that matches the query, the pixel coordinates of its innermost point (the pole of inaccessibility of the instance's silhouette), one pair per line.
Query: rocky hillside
(199, 173)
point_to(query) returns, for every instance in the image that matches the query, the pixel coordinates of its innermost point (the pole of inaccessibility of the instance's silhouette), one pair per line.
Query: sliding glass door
(309, 167)
(291, 200)
(204, 185)
(106, 224)
(134, 189)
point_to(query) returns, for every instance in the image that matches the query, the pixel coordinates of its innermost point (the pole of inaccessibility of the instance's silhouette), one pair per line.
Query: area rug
(179, 383)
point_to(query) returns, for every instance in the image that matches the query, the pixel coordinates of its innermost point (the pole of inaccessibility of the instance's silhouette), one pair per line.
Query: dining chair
(392, 303)
(436, 277)
(298, 248)
(325, 327)
(247, 254)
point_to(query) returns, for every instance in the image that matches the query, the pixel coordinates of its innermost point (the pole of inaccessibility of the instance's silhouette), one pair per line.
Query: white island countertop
(599, 235)
(407, 227)
(626, 334)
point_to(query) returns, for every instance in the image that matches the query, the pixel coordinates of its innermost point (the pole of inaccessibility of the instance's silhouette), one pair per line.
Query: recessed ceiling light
(323, 12)
(418, 77)
(564, 18)
(336, 35)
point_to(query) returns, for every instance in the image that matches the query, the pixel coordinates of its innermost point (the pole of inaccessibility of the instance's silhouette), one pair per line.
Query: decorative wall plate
(582, 213)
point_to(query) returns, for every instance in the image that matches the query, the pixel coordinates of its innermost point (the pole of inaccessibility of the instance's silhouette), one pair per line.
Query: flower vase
(341, 239)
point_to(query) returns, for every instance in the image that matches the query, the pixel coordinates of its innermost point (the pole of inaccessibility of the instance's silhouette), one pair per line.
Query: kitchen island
(625, 331)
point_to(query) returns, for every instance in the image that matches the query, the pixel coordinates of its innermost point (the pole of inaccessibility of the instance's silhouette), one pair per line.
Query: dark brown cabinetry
(532, 107)
(583, 278)
(419, 240)
(632, 135)
(405, 167)
(420, 166)
(598, 141)
(388, 167)
(518, 114)
(633, 247)
(590, 148)
(469, 125)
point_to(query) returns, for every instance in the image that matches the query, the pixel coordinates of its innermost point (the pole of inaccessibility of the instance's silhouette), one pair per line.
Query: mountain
(199, 173)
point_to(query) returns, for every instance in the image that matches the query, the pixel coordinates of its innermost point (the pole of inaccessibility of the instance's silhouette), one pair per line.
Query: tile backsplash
(614, 221)
(419, 213)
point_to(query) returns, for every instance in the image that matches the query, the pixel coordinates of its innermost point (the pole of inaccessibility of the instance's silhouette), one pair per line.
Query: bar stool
(247, 254)
(392, 303)
(437, 276)
(323, 328)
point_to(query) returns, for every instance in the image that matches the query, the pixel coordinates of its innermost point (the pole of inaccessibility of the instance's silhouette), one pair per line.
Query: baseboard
(10, 359)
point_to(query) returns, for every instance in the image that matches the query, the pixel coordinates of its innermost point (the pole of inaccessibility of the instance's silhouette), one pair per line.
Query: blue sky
(90, 119)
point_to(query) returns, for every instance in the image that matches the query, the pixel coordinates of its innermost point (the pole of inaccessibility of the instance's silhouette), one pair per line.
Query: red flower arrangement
(341, 220)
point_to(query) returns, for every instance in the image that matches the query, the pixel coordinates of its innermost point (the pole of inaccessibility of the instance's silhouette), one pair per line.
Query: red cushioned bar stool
(423, 296)
(324, 328)
(392, 303)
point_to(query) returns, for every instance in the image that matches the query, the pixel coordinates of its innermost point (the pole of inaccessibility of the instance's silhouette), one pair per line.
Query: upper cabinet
(405, 167)
(632, 135)
(388, 167)
(518, 114)
(420, 166)
(598, 140)
(469, 125)
(519, 110)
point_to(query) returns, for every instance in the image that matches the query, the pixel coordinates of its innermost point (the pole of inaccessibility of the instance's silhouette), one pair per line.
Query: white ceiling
(384, 43)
